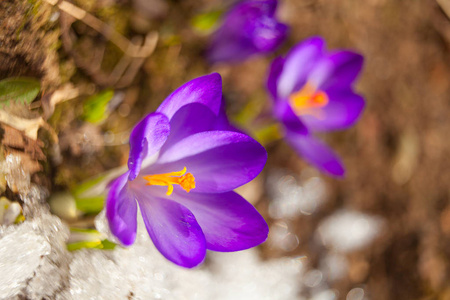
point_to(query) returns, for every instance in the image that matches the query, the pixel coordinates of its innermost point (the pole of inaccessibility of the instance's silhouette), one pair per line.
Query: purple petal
(338, 71)
(272, 81)
(299, 62)
(290, 120)
(121, 210)
(194, 118)
(206, 90)
(219, 160)
(228, 221)
(245, 14)
(316, 153)
(146, 139)
(229, 49)
(188, 120)
(174, 230)
(342, 111)
(249, 28)
(269, 35)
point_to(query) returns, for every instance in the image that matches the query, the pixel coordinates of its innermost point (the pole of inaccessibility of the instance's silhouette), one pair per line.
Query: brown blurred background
(397, 157)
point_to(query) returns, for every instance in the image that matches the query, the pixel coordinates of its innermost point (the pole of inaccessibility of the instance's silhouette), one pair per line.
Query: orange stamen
(308, 101)
(185, 180)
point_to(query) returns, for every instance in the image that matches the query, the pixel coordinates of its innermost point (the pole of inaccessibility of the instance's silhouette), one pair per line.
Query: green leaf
(96, 244)
(88, 238)
(86, 200)
(88, 231)
(84, 244)
(268, 134)
(90, 195)
(20, 90)
(91, 205)
(95, 108)
(108, 245)
(205, 22)
(81, 189)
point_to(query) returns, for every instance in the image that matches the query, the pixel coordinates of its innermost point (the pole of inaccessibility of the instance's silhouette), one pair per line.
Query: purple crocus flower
(185, 160)
(312, 92)
(250, 27)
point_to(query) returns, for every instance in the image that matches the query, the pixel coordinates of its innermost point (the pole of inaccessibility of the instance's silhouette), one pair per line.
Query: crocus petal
(206, 90)
(194, 118)
(146, 139)
(229, 49)
(290, 120)
(228, 221)
(219, 160)
(174, 230)
(188, 120)
(339, 70)
(299, 62)
(342, 111)
(249, 28)
(269, 34)
(316, 153)
(121, 210)
(274, 73)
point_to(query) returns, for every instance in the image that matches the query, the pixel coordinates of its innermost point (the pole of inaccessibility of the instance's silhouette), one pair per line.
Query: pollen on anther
(308, 101)
(185, 180)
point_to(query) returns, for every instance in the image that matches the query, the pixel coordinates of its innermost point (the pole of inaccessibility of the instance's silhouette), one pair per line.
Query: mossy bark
(29, 40)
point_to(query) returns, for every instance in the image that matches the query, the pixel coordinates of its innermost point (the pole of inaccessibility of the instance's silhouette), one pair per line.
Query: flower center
(185, 180)
(309, 101)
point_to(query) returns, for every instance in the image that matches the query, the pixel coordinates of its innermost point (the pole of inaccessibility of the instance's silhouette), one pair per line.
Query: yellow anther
(183, 179)
(308, 101)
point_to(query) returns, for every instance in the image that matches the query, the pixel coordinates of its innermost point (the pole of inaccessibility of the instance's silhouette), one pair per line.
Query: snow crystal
(292, 197)
(348, 230)
(355, 294)
(141, 272)
(16, 177)
(22, 251)
(35, 264)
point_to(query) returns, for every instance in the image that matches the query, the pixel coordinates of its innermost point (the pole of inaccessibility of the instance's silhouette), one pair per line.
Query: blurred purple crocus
(249, 28)
(185, 160)
(312, 92)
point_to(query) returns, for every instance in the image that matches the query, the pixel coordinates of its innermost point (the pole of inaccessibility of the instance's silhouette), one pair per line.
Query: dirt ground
(397, 156)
